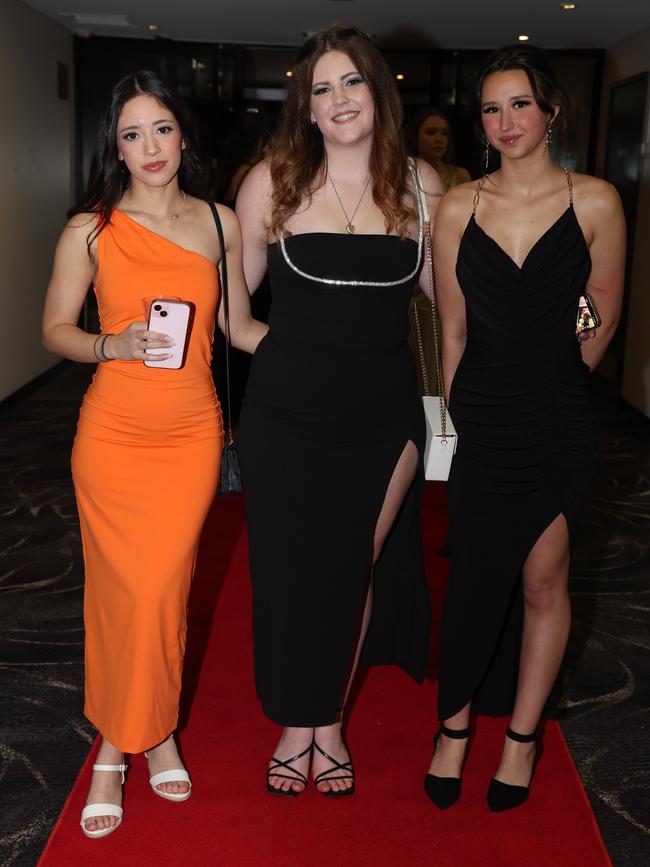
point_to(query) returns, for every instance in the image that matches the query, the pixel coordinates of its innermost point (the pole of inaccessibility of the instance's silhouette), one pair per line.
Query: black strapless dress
(520, 401)
(330, 405)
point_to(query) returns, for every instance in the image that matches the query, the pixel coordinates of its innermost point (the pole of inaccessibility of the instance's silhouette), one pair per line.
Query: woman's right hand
(132, 343)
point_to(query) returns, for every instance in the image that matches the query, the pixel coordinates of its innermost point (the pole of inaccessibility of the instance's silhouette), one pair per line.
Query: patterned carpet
(44, 737)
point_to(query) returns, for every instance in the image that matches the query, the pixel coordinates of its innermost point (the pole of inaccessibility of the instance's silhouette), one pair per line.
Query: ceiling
(395, 23)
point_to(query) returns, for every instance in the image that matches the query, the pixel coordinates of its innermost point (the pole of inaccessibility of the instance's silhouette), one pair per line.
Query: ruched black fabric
(520, 401)
(330, 405)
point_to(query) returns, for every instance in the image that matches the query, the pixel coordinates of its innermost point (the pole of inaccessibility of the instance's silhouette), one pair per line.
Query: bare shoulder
(82, 221)
(255, 200)
(595, 193)
(257, 182)
(77, 233)
(456, 204)
(228, 217)
(430, 178)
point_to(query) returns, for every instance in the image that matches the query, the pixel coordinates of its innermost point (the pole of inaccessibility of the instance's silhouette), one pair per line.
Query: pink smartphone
(172, 318)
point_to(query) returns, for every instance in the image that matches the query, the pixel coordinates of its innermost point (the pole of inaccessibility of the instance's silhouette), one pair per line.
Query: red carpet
(230, 820)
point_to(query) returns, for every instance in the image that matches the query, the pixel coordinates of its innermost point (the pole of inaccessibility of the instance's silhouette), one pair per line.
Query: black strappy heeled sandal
(444, 791)
(325, 776)
(295, 776)
(503, 796)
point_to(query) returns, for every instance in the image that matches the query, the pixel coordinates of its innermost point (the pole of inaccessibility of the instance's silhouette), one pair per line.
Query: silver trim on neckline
(330, 281)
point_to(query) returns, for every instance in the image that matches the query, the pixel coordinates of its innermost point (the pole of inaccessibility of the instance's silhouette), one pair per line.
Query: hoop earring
(487, 155)
(549, 136)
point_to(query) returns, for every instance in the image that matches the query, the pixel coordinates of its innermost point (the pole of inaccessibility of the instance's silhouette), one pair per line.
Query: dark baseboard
(21, 393)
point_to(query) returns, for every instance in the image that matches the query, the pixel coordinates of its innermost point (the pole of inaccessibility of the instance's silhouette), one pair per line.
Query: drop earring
(487, 155)
(549, 136)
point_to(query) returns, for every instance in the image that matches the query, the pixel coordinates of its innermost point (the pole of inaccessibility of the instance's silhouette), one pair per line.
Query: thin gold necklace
(350, 225)
(174, 215)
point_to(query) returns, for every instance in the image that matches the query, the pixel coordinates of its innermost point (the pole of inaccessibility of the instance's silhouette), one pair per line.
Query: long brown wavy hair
(297, 154)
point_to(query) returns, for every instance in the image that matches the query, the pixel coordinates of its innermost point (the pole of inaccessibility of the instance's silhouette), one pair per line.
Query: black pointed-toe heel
(330, 775)
(444, 791)
(295, 775)
(503, 796)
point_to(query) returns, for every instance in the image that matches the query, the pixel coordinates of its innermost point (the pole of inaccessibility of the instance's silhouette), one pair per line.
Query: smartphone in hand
(171, 317)
(587, 314)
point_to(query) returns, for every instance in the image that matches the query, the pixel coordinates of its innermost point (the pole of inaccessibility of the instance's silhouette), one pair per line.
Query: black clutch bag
(230, 477)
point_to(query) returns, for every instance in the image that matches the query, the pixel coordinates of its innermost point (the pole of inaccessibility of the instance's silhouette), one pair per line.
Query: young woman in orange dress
(145, 461)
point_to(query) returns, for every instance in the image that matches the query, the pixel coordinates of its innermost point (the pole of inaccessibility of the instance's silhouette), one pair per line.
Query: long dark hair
(297, 153)
(547, 90)
(109, 177)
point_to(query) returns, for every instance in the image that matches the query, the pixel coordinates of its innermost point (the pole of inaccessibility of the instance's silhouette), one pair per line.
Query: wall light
(399, 76)
(523, 37)
(569, 7)
(152, 27)
(289, 73)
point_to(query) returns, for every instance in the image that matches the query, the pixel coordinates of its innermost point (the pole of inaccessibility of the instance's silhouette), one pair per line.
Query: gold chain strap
(435, 319)
(425, 376)
(436, 332)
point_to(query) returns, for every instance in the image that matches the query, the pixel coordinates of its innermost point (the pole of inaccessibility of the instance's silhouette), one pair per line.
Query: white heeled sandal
(176, 775)
(92, 811)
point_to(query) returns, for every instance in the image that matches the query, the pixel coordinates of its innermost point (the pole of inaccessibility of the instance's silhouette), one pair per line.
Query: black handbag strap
(223, 264)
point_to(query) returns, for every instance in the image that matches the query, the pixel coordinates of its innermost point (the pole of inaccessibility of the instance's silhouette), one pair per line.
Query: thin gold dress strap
(570, 183)
(477, 194)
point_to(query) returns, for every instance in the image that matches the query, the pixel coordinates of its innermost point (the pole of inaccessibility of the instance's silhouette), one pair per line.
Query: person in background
(431, 141)
(243, 147)
(431, 136)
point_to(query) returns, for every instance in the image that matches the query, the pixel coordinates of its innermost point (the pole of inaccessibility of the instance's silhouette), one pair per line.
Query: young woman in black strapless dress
(513, 255)
(332, 430)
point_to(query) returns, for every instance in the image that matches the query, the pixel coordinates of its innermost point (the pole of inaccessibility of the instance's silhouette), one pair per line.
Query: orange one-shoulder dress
(145, 466)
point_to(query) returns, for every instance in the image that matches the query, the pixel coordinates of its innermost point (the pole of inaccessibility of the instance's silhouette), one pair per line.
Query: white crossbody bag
(441, 435)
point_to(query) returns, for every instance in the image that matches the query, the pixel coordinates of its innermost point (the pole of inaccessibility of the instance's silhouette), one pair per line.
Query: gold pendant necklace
(176, 214)
(350, 224)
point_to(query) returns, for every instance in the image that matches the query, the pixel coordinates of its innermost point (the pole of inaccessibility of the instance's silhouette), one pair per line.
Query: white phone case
(172, 318)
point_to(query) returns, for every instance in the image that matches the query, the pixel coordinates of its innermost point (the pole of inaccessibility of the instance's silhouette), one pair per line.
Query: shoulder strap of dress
(570, 183)
(477, 194)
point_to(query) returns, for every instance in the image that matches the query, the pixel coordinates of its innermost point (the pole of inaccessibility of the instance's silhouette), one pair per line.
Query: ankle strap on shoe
(457, 734)
(522, 739)
(119, 768)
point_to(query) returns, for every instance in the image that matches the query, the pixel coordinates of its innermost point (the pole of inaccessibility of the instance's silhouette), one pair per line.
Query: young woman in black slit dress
(332, 430)
(513, 254)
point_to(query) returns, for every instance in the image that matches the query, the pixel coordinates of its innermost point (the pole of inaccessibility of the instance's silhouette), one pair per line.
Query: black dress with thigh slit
(330, 405)
(520, 401)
